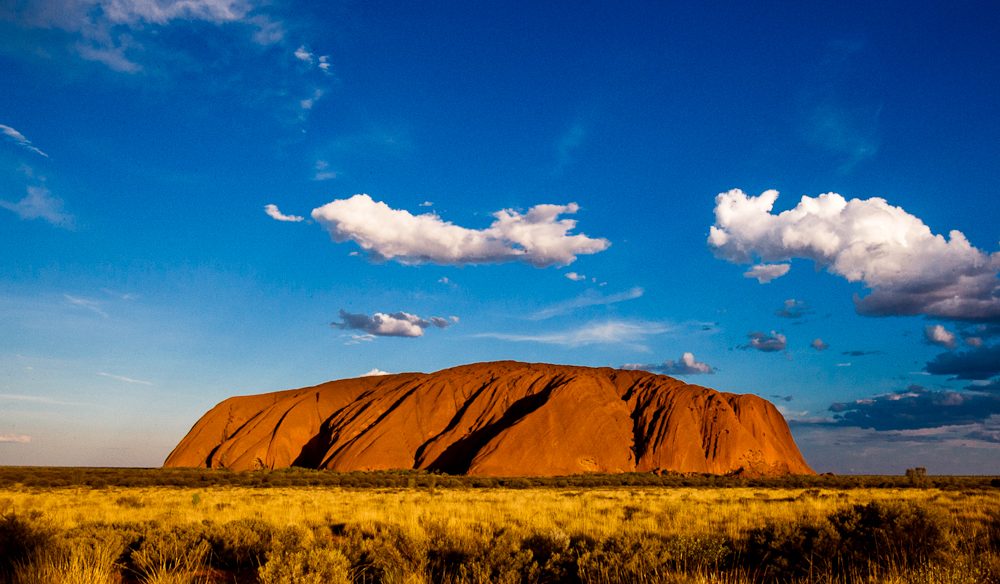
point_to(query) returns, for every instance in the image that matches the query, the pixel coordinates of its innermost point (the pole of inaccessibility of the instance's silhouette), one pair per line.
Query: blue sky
(576, 183)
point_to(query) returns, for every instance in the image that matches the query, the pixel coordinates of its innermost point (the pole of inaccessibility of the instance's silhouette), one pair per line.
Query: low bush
(853, 541)
(296, 558)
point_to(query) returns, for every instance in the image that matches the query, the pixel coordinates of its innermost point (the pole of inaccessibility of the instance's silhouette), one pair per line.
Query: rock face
(498, 419)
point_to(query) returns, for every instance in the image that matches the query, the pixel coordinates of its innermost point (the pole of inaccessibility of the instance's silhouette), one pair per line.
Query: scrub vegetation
(427, 529)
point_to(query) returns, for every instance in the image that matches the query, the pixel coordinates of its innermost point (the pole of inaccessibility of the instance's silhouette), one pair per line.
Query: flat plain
(156, 526)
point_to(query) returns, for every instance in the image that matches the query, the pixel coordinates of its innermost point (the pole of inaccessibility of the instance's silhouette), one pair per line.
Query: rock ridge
(502, 418)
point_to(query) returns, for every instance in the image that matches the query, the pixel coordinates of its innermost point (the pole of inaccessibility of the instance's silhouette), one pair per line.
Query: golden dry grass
(421, 516)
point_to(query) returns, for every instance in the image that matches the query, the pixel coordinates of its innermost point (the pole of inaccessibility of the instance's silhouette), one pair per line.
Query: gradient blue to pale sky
(145, 276)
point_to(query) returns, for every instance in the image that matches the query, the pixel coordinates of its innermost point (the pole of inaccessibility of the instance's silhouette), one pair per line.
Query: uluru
(498, 419)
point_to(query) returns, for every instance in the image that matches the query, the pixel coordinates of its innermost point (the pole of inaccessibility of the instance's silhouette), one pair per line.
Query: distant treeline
(50, 477)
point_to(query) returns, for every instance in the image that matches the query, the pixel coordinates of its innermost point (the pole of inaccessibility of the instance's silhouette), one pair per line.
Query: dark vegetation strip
(50, 477)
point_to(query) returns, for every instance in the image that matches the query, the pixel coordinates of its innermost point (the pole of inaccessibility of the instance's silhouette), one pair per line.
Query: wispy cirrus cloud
(538, 237)
(86, 303)
(19, 139)
(14, 438)
(610, 332)
(836, 118)
(37, 399)
(908, 269)
(114, 32)
(588, 299)
(39, 203)
(323, 171)
(124, 379)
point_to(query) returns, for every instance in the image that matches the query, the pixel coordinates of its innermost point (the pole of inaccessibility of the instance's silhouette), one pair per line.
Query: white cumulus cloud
(575, 277)
(274, 213)
(764, 273)
(588, 299)
(907, 268)
(376, 372)
(938, 335)
(538, 237)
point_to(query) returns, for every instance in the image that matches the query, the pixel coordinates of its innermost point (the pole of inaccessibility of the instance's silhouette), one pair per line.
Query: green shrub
(171, 555)
(294, 558)
(848, 543)
(240, 545)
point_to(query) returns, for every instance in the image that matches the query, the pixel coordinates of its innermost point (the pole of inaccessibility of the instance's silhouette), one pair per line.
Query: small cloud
(767, 343)
(843, 365)
(14, 438)
(785, 398)
(273, 212)
(91, 305)
(818, 344)
(324, 64)
(303, 54)
(974, 341)
(764, 273)
(396, 324)
(375, 373)
(426, 204)
(686, 365)
(861, 353)
(40, 204)
(308, 103)
(124, 379)
(323, 171)
(575, 277)
(588, 299)
(793, 308)
(19, 139)
(938, 335)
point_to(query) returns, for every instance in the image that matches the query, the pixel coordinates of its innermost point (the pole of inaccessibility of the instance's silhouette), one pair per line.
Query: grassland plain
(112, 525)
